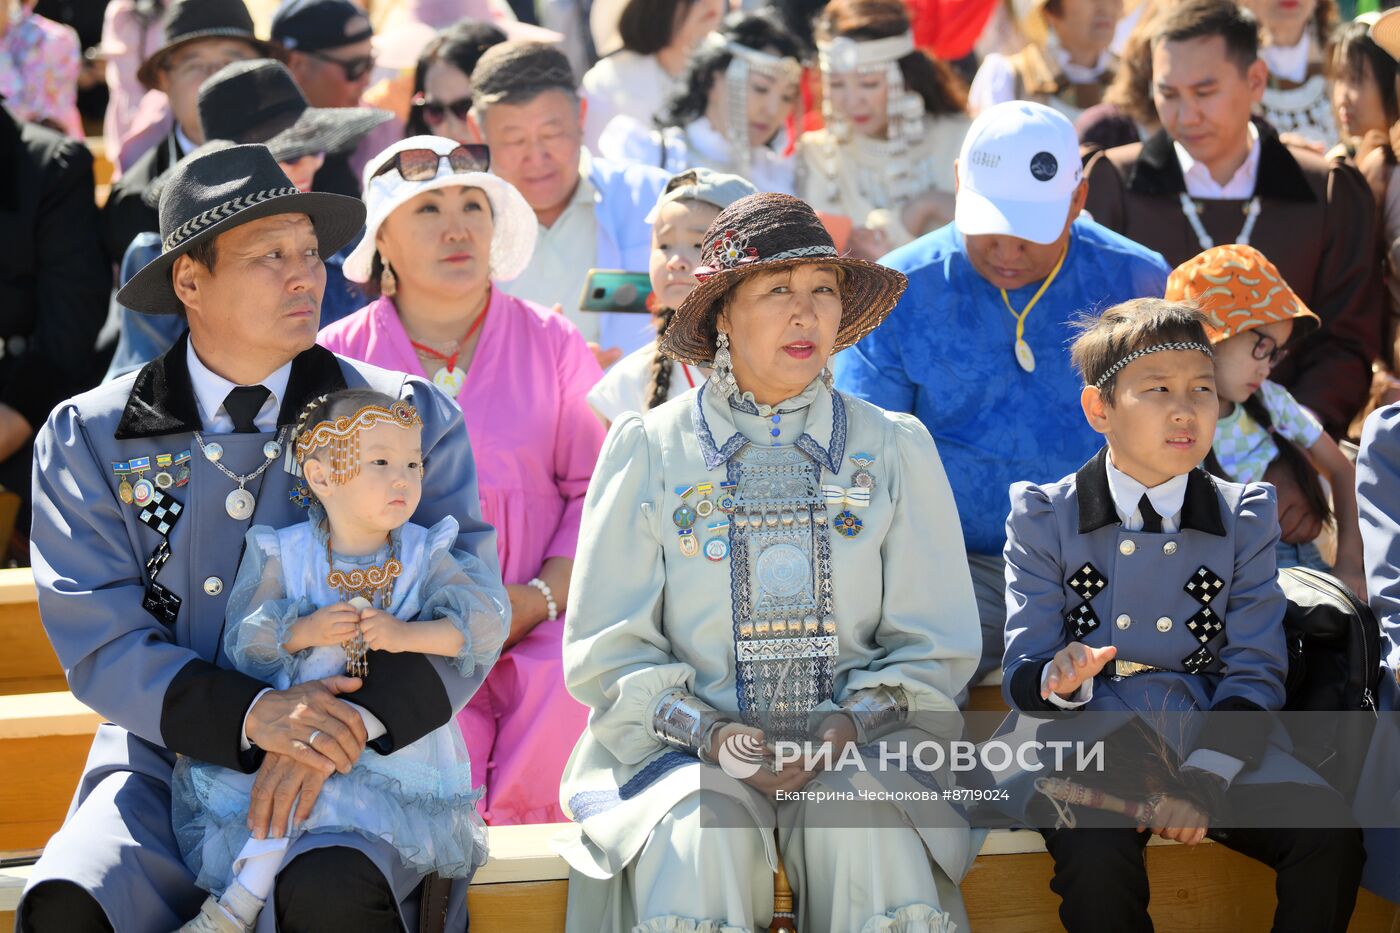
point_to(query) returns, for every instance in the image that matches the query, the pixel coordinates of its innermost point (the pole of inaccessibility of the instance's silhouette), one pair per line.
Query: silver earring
(723, 378)
(827, 378)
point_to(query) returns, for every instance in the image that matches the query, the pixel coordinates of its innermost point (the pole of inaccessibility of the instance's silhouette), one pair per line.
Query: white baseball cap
(1017, 173)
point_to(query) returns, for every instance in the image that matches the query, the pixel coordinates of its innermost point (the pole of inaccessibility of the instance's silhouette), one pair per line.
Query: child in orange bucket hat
(1251, 314)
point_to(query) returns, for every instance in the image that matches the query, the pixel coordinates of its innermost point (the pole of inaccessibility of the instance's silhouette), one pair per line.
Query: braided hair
(760, 31)
(659, 386)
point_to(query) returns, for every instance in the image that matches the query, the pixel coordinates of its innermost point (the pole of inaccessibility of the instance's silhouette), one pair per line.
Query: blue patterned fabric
(946, 356)
(588, 804)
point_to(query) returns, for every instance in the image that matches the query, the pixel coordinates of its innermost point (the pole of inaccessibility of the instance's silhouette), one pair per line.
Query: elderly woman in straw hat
(440, 234)
(757, 568)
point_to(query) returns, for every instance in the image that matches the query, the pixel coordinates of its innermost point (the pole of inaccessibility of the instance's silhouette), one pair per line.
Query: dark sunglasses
(1267, 348)
(354, 68)
(422, 164)
(435, 111)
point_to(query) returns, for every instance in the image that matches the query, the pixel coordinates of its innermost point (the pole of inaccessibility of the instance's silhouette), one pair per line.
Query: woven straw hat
(1238, 289)
(762, 233)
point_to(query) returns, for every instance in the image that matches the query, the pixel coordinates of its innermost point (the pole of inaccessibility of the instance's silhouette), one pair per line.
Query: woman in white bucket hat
(440, 233)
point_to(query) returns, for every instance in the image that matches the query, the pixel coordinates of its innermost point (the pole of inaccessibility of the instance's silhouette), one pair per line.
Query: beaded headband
(1155, 348)
(846, 54)
(342, 437)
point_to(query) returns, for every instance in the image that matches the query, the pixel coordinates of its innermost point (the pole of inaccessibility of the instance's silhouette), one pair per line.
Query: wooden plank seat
(523, 888)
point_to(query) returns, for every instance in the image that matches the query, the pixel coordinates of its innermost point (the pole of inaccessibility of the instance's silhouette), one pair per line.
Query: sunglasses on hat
(353, 68)
(435, 111)
(422, 164)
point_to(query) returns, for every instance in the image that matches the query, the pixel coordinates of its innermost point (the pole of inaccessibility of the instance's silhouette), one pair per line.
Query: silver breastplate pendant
(785, 644)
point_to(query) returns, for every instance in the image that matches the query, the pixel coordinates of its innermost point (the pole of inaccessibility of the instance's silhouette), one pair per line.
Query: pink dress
(535, 441)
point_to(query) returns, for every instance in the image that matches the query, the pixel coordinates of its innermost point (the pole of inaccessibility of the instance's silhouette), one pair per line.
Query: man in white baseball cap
(977, 346)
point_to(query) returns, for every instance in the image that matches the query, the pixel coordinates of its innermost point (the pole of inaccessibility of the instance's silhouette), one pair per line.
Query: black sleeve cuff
(1025, 689)
(405, 691)
(203, 714)
(1229, 736)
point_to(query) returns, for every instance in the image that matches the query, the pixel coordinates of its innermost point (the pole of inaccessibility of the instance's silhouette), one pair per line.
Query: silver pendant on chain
(239, 504)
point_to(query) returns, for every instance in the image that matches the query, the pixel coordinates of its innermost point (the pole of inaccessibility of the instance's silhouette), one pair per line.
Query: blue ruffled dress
(418, 799)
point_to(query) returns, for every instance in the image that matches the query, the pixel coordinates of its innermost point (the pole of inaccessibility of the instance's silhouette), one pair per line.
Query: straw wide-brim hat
(1238, 289)
(763, 233)
(1385, 32)
(515, 228)
(223, 189)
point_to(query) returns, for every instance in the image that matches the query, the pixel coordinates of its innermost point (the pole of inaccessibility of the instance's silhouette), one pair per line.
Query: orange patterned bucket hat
(1238, 289)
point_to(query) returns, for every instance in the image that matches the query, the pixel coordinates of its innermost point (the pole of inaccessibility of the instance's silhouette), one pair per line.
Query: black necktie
(243, 405)
(1151, 521)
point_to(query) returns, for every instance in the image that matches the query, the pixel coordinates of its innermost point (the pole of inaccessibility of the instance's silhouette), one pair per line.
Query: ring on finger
(311, 740)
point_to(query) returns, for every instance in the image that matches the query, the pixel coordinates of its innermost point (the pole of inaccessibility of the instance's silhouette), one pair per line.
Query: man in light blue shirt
(978, 346)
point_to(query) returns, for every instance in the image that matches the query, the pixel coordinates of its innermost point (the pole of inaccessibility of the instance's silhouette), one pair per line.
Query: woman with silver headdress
(732, 113)
(895, 120)
(765, 561)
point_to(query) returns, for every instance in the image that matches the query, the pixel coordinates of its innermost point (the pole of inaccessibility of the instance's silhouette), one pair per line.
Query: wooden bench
(523, 888)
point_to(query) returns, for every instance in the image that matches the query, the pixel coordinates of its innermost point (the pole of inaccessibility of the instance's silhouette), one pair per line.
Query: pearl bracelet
(548, 594)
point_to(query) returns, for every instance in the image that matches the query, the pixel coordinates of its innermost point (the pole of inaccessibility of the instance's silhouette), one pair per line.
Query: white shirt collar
(1127, 492)
(1200, 184)
(210, 390)
(1289, 62)
(186, 144)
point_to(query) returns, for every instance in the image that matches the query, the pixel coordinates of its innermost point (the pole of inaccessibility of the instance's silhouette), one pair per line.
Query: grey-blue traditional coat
(1378, 498)
(165, 685)
(1203, 603)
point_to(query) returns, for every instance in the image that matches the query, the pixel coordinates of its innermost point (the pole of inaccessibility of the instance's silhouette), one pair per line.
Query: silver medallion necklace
(240, 503)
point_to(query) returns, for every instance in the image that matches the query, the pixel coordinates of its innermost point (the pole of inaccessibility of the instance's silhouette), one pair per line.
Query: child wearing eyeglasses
(1251, 314)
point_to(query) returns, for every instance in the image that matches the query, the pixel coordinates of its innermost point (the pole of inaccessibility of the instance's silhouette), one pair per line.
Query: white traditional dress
(872, 180)
(699, 145)
(797, 599)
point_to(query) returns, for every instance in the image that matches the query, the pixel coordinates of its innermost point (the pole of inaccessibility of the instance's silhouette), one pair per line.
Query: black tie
(243, 405)
(1151, 521)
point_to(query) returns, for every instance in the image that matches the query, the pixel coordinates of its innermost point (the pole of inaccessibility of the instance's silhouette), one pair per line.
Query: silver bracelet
(685, 722)
(876, 711)
(548, 595)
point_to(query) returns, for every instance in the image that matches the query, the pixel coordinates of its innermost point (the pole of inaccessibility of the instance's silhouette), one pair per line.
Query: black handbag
(1334, 648)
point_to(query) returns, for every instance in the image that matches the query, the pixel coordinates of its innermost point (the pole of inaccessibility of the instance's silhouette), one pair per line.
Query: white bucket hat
(512, 241)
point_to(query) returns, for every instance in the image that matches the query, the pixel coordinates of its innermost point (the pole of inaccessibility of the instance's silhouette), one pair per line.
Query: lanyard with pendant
(1024, 356)
(1192, 210)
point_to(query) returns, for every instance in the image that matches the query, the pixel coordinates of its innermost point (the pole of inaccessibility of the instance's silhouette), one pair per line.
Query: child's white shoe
(213, 918)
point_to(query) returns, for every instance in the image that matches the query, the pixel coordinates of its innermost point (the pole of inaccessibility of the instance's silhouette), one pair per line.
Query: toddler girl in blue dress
(309, 602)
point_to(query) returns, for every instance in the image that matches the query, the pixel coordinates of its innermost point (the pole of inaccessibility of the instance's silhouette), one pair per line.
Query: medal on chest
(450, 379)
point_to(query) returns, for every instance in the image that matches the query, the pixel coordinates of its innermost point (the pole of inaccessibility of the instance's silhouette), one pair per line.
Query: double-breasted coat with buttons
(1203, 604)
(159, 675)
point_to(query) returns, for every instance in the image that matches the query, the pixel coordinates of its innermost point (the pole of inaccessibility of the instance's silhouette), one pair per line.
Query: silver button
(1127, 547)
(1123, 621)
(1169, 548)
(213, 586)
(1164, 625)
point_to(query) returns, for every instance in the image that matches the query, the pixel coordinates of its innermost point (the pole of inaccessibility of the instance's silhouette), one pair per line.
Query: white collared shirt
(210, 390)
(1127, 494)
(186, 144)
(1200, 184)
(564, 252)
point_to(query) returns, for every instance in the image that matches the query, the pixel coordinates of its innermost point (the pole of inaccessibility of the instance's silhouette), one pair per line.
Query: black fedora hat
(258, 101)
(218, 191)
(187, 21)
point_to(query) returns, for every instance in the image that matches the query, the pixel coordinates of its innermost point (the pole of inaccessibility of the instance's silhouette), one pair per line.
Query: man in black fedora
(136, 543)
(251, 102)
(199, 38)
